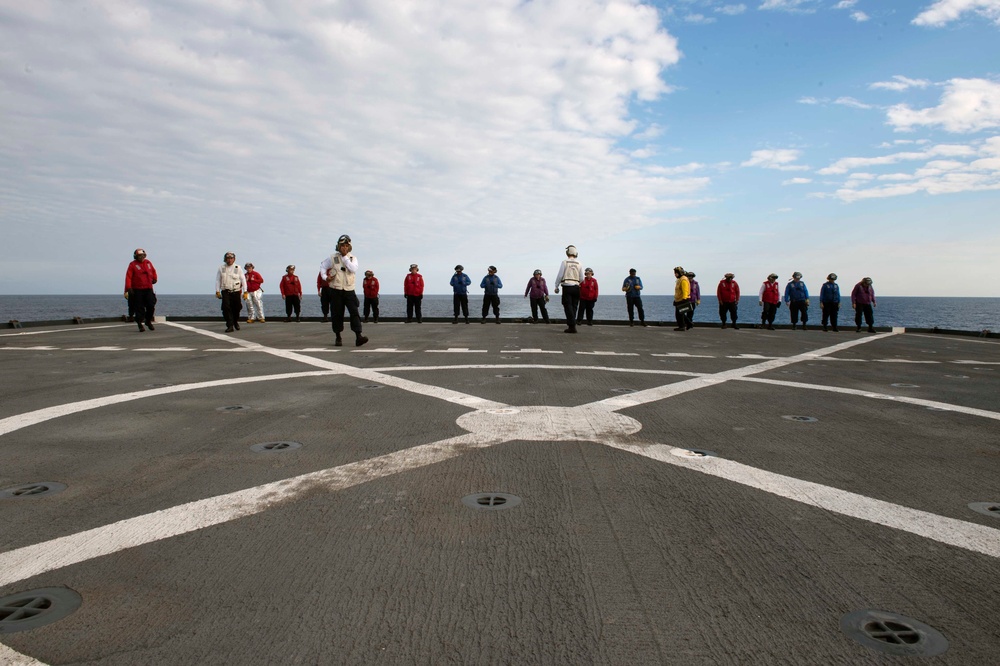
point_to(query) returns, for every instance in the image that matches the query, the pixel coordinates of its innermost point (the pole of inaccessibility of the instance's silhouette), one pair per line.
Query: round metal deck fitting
(986, 508)
(693, 453)
(800, 419)
(31, 490)
(905, 385)
(491, 501)
(232, 408)
(36, 608)
(893, 634)
(265, 447)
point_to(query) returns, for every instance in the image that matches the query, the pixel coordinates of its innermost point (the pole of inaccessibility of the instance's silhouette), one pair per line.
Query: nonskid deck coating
(512, 408)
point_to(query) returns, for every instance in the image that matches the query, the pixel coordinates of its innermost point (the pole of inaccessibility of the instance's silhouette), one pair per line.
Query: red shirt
(254, 280)
(370, 285)
(140, 275)
(588, 289)
(772, 293)
(290, 285)
(413, 284)
(728, 291)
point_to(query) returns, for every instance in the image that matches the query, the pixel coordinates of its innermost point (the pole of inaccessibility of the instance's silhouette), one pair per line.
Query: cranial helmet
(343, 239)
(773, 275)
(138, 254)
(831, 276)
(229, 254)
(571, 251)
(459, 267)
(796, 275)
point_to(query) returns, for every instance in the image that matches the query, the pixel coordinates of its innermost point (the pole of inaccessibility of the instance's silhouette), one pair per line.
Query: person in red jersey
(413, 289)
(370, 286)
(140, 276)
(291, 293)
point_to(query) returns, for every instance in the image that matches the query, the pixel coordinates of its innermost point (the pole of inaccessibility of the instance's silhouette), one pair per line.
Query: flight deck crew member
(588, 297)
(568, 279)
(829, 301)
(682, 298)
(140, 276)
(695, 297)
(797, 299)
(538, 292)
(413, 290)
(255, 301)
(491, 285)
(460, 285)
(325, 294)
(291, 293)
(230, 286)
(863, 302)
(370, 288)
(728, 293)
(340, 269)
(769, 298)
(632, 286)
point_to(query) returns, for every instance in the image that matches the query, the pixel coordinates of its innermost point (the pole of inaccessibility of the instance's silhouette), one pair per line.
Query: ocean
(968, 314)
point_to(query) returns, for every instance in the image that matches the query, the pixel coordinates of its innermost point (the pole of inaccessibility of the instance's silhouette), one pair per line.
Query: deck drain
(905, 385)
(623, 390)
(264, 447)
(370, 387)
(491, 501)
(232, 408)
(801, 419)
(36, 608)
(693, 453)
(29, 490)
(893, 633)
(986, 508)
(507, 376)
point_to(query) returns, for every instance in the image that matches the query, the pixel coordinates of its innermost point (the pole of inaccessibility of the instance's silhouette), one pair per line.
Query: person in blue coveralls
(829, 301)
(632, 286)
(460, 285)
(491, 285)
(797, 299)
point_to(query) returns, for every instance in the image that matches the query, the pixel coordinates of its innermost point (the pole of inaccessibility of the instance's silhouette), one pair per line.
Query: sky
(860, 137)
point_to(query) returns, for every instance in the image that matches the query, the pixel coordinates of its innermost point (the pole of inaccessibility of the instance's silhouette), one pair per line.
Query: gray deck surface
(187, 547)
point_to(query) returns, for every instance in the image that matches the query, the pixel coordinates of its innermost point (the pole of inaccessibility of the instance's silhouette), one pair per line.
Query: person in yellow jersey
(682, 299)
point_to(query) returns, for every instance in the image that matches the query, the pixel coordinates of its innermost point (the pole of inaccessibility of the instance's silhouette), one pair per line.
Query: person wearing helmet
(568, 279)
(797, 300)
(682, 298)
(829, 302)
(588, 297)
(230, 286)
(491, 284)
(460, 286)
(291, 293)
(325, 295)
(340, 270)
(632, 286)
(413, 290)
(863, 302)
(695, 297)
(140, 276)
(728, 293)
(370, 288)
(255, 300)
(538, 292)
(769, 298)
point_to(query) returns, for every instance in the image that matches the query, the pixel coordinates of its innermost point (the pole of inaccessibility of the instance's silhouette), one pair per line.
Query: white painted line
(976, 362)
(753, 356)
(969, 536)
(455, 350)
(683, 355)
(385, 350)
(64, 329)
(971, 411)
(902, 360)
(163, 349)
(40, 348)
(314, 350)
(9, 657)
(606, 353)
(22, 563)
(530, 350)
(952, 338)
(94, 349)
(538, 366)
(236, 350)
(837, 359)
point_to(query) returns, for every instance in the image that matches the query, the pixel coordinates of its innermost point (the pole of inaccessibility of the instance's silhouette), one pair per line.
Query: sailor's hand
(246, 296)
(126, 294)
(218, 294)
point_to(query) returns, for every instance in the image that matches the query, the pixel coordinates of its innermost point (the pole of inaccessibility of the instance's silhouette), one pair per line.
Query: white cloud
(846, 164)
(899, 84)
(731, 10)
(859, 16)
(810, 100)
(699, 19)
(967, 105)
(779, 159)
(845, 4)
(797, 181)
(788, 5)
(946, 11)
(851, 102)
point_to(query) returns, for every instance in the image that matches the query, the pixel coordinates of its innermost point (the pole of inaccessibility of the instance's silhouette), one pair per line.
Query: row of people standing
(796, 297)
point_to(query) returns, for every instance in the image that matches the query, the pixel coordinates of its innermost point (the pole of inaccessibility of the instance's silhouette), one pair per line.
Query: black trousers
(767, 314)
(293, 302)
(727, 308)
(570, 303)
(635, 303)
(344, 299)
(413, 307)
(142, 302)
(371, 307)
(830, 313)
(491, 300)
(797, 308)
(536, 305)
(586, 310)
(461, 301)
(232, 305)
(864, 309)
(325, 298)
